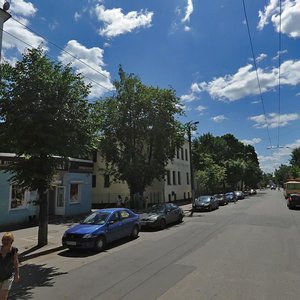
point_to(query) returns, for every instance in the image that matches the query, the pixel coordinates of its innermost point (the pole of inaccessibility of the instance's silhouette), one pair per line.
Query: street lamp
(4, 16)
(191, 125)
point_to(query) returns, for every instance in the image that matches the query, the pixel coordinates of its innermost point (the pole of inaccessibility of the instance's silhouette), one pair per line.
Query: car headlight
(89, 236)
(153, 218)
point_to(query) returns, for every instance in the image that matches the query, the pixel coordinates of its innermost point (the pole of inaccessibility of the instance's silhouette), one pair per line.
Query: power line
(60, 48)
(255, 66)
(97, 83)
(279, 72)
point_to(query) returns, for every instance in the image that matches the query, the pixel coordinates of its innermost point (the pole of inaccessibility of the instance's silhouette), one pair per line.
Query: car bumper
(147, 223)
(201, 208)
(79, 243)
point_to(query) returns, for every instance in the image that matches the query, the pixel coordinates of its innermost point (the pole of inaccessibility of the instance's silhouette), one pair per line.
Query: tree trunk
(43, 219)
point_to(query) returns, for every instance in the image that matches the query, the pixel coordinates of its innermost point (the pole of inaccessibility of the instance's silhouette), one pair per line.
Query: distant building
(70, 192)
(175, 187)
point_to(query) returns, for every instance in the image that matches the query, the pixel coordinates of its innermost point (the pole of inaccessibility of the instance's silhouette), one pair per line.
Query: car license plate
(70, 243)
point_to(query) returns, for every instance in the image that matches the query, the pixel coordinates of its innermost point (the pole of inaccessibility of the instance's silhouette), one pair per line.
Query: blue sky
(199, 48)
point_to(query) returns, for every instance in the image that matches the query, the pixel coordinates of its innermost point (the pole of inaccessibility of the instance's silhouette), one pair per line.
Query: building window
(106, 181)
(17, 197)
(177, 153)
(95, 156)
(94, 181)
(168, 178)
(184, 195)
(74, 193)
(169, 197)
(186, 155)
(187, 178)
(174, 177)
(182, 156)
(179, 178)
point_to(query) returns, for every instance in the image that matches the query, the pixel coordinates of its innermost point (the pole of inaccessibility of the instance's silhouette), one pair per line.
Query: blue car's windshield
(96, 218)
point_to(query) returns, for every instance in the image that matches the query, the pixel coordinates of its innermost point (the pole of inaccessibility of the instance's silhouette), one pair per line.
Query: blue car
(231, 197)
(102, 227)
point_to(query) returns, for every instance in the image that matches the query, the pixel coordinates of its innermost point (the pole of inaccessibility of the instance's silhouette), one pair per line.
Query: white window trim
(64, 194)
(24, 206)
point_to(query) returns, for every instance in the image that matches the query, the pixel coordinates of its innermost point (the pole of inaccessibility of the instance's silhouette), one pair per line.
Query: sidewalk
(26, 238)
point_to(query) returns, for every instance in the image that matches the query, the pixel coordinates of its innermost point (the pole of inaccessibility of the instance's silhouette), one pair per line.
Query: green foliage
(45, 113)
(139, 132)
(295, 159)
(238, 163)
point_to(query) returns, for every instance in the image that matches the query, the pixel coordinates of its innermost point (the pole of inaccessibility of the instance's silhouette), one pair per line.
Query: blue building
(70, 192)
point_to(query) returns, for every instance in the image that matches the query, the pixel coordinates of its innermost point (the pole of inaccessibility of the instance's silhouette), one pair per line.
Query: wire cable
(279, 74)
(60, 48)
(257, 77)
(97, 83)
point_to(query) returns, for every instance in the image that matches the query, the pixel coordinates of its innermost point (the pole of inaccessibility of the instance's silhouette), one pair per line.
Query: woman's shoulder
(14, 250)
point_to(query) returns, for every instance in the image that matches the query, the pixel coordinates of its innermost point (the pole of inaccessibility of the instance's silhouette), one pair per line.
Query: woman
(9, 265)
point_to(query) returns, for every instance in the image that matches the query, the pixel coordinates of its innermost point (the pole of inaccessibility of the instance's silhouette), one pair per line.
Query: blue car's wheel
(135, 232)
(100, 243)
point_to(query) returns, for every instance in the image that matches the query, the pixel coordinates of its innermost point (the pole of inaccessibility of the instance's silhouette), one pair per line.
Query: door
(60, 200)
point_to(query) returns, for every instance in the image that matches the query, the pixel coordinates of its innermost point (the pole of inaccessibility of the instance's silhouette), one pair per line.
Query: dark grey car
(161, 215)
(206, 203)
(221, 198)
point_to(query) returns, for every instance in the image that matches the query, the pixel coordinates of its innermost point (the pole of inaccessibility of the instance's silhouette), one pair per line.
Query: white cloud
(270, 9)
(261, 57)
(201, 108)
(92, 57)
(188, 11)
(279, 156)
(290, 17)
(188, 98)
(244, 82)
(20, 7)
(19, 37)
(252, 142)
(116, 23)
(219, 119)
(279, 52)
(274, 120)
(15, 35)
(77, 16)
(298, 94)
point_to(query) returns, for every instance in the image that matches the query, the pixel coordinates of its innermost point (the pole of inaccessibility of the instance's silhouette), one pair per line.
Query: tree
(295, 159)
(45, 114)
(139, 132)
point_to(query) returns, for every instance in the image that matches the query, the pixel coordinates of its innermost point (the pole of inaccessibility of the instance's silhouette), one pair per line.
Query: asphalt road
(249, 250)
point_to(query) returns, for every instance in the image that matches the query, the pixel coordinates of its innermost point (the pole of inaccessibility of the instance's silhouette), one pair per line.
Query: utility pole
(190, 126)
(4, 16)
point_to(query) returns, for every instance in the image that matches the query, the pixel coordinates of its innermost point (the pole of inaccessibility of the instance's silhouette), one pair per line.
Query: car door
(172, 215)
(126, 223)
(114, 227)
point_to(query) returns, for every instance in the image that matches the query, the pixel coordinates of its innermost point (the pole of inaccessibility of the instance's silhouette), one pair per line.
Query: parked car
(273, 187)
(161, 215)
(293, 201)
(230, 196)
(239, 195)
(221, 198)
(101, 227)
(205, 203)
(252, 192)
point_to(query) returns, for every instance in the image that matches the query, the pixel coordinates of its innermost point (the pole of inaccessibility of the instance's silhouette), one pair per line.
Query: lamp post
(4, 16)
(191, 125)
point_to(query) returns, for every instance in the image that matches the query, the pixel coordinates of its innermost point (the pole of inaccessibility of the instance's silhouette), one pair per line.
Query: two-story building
(175, 187)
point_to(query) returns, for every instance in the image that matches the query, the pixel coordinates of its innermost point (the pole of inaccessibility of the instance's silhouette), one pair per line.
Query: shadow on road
(32, 275)
(90, 252)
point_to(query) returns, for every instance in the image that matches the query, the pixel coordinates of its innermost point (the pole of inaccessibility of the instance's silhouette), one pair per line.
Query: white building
(175, 187)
